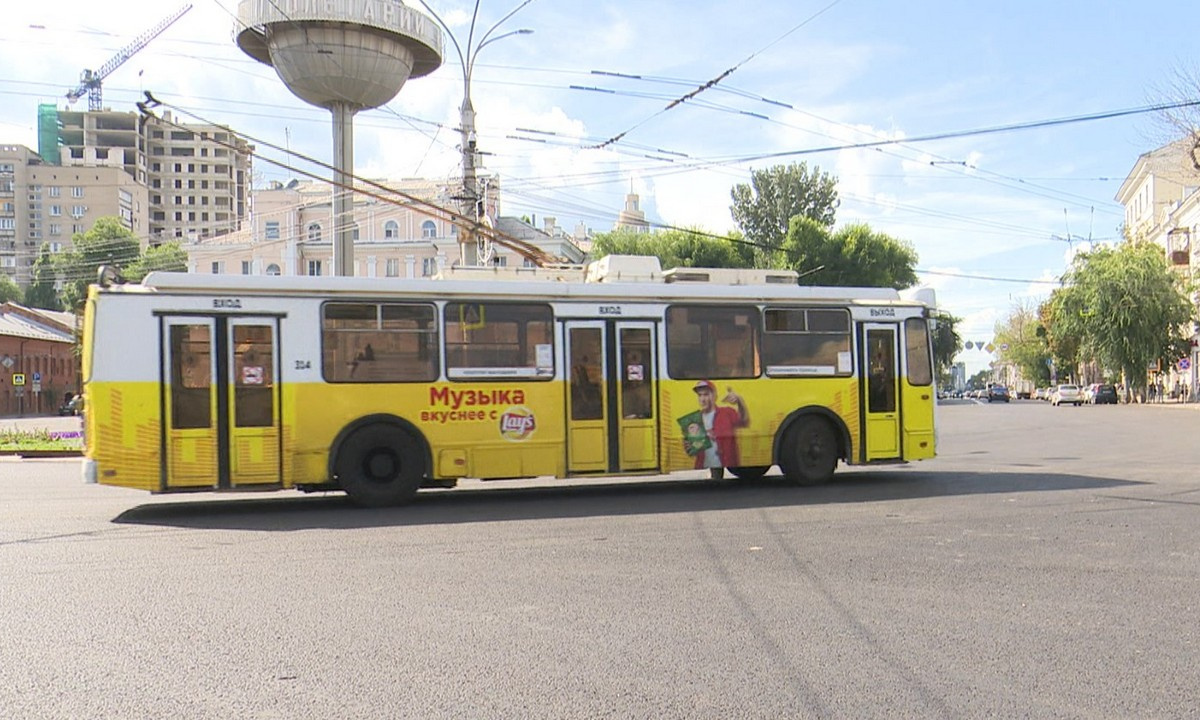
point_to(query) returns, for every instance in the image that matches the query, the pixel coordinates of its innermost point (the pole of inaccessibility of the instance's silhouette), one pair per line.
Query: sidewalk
(51, 423)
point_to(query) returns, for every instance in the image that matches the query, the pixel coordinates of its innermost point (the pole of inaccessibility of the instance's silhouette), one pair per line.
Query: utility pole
(472, 204)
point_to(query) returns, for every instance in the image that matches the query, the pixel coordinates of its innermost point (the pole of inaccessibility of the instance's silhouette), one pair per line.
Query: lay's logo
(517, 423)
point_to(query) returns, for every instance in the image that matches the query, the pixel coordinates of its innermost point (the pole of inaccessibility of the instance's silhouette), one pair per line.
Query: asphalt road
(1047, 564)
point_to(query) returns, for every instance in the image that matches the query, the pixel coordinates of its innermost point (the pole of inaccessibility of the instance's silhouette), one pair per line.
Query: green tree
(41, 292)
(1127, 307)
(852, 256)
(763, 209)
(9, 290)
(947, 344)
(168, 257)
(1021, 344)
(108, 242)
(673, 248)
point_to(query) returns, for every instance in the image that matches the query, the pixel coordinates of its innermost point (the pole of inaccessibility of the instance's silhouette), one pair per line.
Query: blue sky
(852, 71)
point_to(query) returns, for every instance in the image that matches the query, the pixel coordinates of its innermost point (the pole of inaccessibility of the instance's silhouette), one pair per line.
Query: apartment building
(1161, 196)
(198, 174)
(199, 179)
(41, 203)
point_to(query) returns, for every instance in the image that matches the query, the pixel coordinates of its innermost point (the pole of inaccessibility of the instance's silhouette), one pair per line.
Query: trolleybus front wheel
(810, 452)
(379, 465)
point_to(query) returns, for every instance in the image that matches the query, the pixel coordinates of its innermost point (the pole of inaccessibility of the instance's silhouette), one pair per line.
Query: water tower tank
(354, 51)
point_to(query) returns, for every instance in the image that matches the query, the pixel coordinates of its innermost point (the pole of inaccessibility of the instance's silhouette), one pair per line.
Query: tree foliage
(168, 257)
(1020, 343)
(764, 208)
(1126, 307)
(673, 248)
(41, 292)
(9, 290)
(947, 343)
(854, 255)
(108, 242)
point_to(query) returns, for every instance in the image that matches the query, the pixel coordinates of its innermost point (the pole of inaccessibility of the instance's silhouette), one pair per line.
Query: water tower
(344, 56)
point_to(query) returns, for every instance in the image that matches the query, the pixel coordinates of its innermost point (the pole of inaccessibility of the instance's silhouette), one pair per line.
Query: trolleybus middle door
(611, 390)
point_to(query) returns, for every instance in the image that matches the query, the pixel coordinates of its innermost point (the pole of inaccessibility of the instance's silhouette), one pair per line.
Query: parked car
(1069, 394)
(997, 393)
(1104, 395)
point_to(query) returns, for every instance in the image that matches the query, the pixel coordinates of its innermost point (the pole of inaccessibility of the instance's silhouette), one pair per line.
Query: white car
(1066, 394)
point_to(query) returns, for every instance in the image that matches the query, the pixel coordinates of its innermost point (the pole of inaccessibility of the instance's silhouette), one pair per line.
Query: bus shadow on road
(496, 503)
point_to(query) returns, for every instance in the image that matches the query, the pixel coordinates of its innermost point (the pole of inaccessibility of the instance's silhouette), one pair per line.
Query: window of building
(55, 191)
(499, 340)
(216, 267)
(314, 267)
(272, 229)
(55, 210)
(428, 267)
(314, 232)
(77, 192)
(807, 341)
(55, 229)
(917, 352)
(393, 267)
(77, 211)
(379, 342)
(273, 269)
(391, 230)
(428, 229)
(246, 265)
(706, 342)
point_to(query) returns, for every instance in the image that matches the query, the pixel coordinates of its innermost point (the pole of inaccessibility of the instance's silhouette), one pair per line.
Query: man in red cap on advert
(709, 433)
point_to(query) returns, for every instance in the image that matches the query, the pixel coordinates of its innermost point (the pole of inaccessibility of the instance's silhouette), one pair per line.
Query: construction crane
(89, 80)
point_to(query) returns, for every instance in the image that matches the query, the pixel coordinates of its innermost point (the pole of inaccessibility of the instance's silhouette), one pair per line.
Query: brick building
(36, 344)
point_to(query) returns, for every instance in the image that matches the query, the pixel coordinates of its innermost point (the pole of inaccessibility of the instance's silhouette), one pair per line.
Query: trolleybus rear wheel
(810, 452)
(379, 465)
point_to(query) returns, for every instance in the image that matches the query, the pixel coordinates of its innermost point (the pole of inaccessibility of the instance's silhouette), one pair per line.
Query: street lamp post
(472, 203)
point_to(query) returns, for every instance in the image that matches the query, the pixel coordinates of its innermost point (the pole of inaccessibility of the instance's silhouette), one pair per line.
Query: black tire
(810, 451)
(379, 465)
(749, 472)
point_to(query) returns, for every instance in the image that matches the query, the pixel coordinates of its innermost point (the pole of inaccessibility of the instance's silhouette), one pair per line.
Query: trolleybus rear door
(880, 390)
(220, 400)
(189, 403)
(610, 396)
(253, 401)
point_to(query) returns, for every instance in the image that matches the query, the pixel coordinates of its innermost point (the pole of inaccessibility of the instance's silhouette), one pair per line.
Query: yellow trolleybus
(378, 387)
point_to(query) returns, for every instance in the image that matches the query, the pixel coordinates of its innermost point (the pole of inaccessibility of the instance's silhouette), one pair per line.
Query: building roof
(34, 324)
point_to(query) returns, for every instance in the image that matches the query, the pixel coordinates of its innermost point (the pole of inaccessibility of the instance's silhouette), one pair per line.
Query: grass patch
(21, 440)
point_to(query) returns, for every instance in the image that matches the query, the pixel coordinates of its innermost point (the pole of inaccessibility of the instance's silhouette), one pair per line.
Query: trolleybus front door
(220, 401)
(611, 390)
(881, 392)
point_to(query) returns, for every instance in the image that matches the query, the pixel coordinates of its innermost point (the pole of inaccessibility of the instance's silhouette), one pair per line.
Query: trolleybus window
(254, 376)
(379, 342)
(191, 376)
(499, 340)
(920, 370)
(710, 341)
(807, 341)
